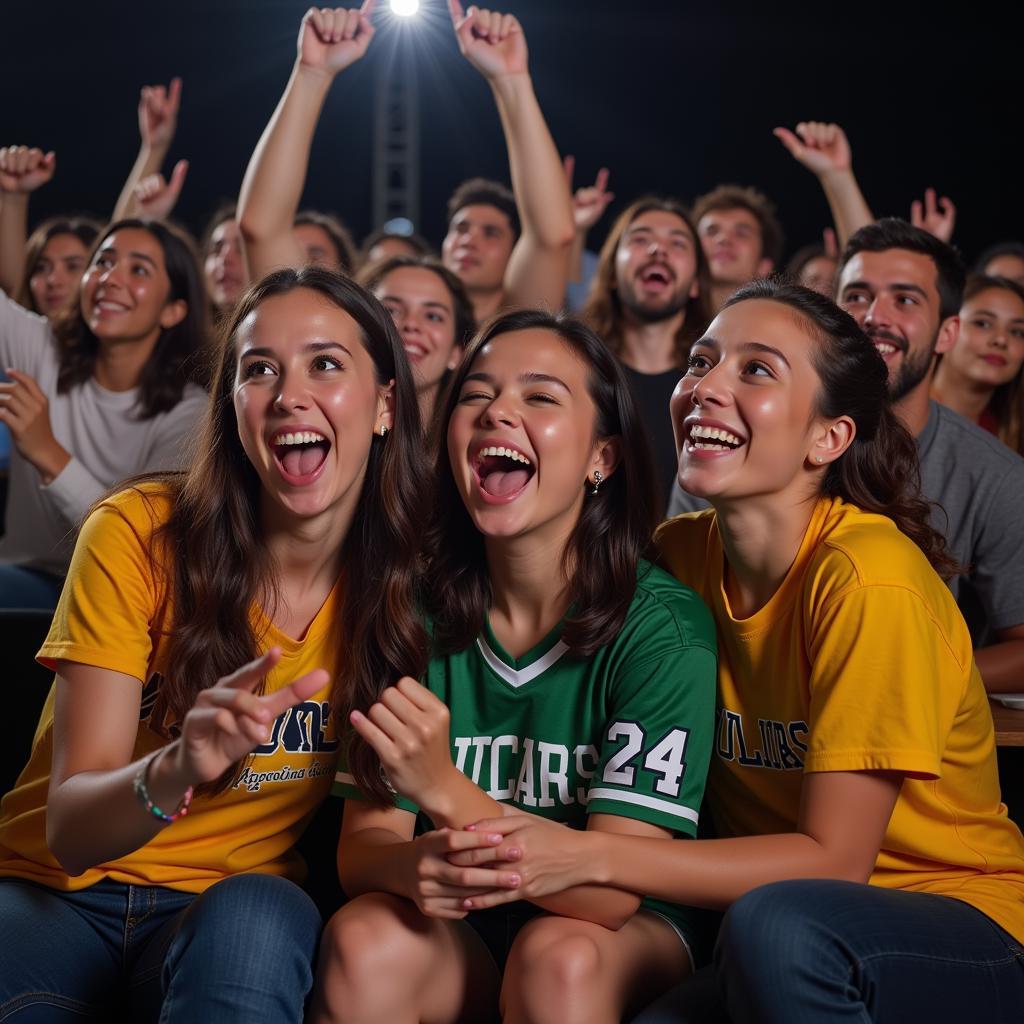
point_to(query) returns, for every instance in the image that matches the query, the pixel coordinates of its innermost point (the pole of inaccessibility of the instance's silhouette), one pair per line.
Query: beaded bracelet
(142, 792)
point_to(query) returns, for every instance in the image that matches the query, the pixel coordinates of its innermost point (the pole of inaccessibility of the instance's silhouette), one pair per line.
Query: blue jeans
(818, 952)
(21, 587)
(241, 951)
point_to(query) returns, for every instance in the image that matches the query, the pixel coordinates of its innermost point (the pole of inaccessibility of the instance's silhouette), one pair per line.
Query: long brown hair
(880, 471)
(221, 567)
(1007, 402)
(180, 355)
(85, 229)
(603, 310)
(614, 529)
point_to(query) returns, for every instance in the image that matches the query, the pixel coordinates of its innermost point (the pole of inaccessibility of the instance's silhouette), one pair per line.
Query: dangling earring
(384, 432)
(598, 480)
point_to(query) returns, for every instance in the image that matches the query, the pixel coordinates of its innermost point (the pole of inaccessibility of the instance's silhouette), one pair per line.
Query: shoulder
(682, 544)
(192, 405)
(973, 449)
(666, 608)
(141, 510)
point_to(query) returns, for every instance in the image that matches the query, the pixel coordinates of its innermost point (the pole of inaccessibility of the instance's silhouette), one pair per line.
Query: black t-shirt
(651, 392)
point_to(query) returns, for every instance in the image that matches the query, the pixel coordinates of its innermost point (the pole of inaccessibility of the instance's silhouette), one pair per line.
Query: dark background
(674, 97)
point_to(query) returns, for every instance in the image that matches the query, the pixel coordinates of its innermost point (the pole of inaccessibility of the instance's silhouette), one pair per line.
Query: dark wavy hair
(180, 355)
(603, 309)
(614, 529)
(880, 471)
(893, 233)
(221, 565)
(85, 229)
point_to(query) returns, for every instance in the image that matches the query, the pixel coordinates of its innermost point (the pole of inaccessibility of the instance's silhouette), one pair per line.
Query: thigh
(381, 959)
(60, 957)
(836, 951)
(575, 962)
(242, 951)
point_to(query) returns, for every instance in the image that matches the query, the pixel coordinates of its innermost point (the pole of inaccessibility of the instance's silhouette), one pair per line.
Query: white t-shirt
(101, 430)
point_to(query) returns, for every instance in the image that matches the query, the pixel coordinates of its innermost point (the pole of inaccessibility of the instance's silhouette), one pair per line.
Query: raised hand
(332, 39)
(24, 170)
(822, 148)
(830, 243)
(491, 41)
(937, 218)
(155, 198)
(228, 720)
(158, 114)
(409, 730)
(25, 410)
(590, 201)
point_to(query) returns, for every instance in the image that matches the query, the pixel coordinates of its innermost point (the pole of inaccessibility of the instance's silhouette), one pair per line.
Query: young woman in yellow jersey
(854, 742)
(213, 626)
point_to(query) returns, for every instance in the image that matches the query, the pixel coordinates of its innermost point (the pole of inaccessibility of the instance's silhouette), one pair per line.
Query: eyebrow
(898, 286)
(313, 346)
(434, 303)
(138, 255)
(747, 346)
(995, 316)
(524, 378)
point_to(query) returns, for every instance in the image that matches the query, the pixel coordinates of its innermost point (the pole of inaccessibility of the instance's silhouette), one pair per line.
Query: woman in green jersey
(569, 679)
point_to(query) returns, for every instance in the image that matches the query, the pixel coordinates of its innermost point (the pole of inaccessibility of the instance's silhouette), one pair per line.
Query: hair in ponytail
(880, 471)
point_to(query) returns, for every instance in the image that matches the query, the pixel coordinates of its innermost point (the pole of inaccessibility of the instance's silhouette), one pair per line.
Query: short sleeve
(653, 759)
(345, 785)
(884, 685)
(108, 609)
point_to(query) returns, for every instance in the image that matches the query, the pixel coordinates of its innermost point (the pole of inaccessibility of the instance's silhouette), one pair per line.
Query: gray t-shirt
(977, 485)
(101, 430)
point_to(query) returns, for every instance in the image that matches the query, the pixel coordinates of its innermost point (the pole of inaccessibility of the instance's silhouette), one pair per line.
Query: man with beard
(647, 304)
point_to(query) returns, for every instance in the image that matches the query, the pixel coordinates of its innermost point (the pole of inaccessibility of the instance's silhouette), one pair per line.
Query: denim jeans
(241, 951)
(21, 587)
(818, 952)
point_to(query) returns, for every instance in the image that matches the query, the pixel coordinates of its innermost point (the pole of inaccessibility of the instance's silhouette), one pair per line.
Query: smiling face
(521, 440)
(656, 266)
(478, 246)
(733, 246)
(126, 291)
(423, 311)
(307, 402)
(744, 415)
(990, 347)
(57, 273)
(223, 266)
(893, 295)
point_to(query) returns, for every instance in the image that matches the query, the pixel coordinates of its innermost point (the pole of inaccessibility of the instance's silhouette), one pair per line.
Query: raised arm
(96, 719)
(538, 268)
(158, 121)
(824, 150)
(329, 41)
(937, 217)
(588, 205)
(22, 171)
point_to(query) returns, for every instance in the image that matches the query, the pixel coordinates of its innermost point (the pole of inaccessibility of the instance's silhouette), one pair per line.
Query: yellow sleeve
(109, 606)
(884, 684)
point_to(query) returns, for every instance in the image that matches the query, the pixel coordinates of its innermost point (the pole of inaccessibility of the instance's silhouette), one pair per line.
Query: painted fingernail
(515, 854)
(495, 837)
(513, 881)
(471, 828)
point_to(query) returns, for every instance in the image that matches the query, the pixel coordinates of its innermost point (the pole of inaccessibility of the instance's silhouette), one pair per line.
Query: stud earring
(384, 432)
(598, 480)
(817, 458)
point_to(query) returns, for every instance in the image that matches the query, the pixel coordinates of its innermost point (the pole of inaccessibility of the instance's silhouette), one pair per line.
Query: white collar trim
(519, 677)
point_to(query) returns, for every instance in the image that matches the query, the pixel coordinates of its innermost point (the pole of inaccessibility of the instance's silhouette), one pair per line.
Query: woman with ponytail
(214, 626)
(867, 866)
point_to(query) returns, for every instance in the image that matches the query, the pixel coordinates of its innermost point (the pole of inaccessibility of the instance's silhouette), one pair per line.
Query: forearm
(374, 860)
(711, 872)
(1002, 666)
(538, 179)
(276, 175)
(850, 210)
(13, 232)
(70, 486)
(76, 805)
(149, 161)
(579, 245)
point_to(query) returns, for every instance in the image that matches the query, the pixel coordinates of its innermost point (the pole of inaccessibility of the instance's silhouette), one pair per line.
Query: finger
(916, 218)
(241, 702)
(27, 381)
(503, 826)
(789, 140)
(418, 695)
(372, 734)
(478, 856)
(929, 202)
(350, 26)
(569, 168)
(601, 181)
(948, 209)
(249, 675)
(459, 840)
(174, 93)
(389, 723)
(367, 9)
(456, 12)
(508, 25)
(178, 177)
(831, 243)
(296, 692)
(494, 898)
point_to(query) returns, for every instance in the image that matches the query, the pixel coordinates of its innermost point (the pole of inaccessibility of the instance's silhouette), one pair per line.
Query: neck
(761, 537)
(913, 407)
(651, 347)
(486, 303)
(119, 364)
(528, 598)
(967, 397)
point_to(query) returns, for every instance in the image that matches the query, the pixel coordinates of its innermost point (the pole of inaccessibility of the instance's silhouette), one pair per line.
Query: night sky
(673, 97)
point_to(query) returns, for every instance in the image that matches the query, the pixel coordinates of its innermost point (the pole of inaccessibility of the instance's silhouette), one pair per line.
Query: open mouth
(300, 455)
(712, 439)
(502, 472)
(655, 275)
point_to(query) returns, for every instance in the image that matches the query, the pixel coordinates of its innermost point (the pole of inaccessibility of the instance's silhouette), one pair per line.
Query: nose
(290, 396)
(999, 339)
(708, 390)
(500, 411)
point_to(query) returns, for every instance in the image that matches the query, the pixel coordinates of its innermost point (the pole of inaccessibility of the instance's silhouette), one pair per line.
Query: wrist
(50, 464)
(836, 178)
(511, 85)
(442, 800)
(314, 77)
(168, 778)
(596, 862)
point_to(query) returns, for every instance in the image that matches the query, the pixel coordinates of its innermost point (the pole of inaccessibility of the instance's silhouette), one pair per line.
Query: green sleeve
(344, 785)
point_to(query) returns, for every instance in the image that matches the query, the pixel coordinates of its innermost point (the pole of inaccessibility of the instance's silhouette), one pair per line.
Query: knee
(559, 962)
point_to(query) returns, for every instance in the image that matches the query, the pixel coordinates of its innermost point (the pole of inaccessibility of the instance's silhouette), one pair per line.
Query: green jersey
(626, 731)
